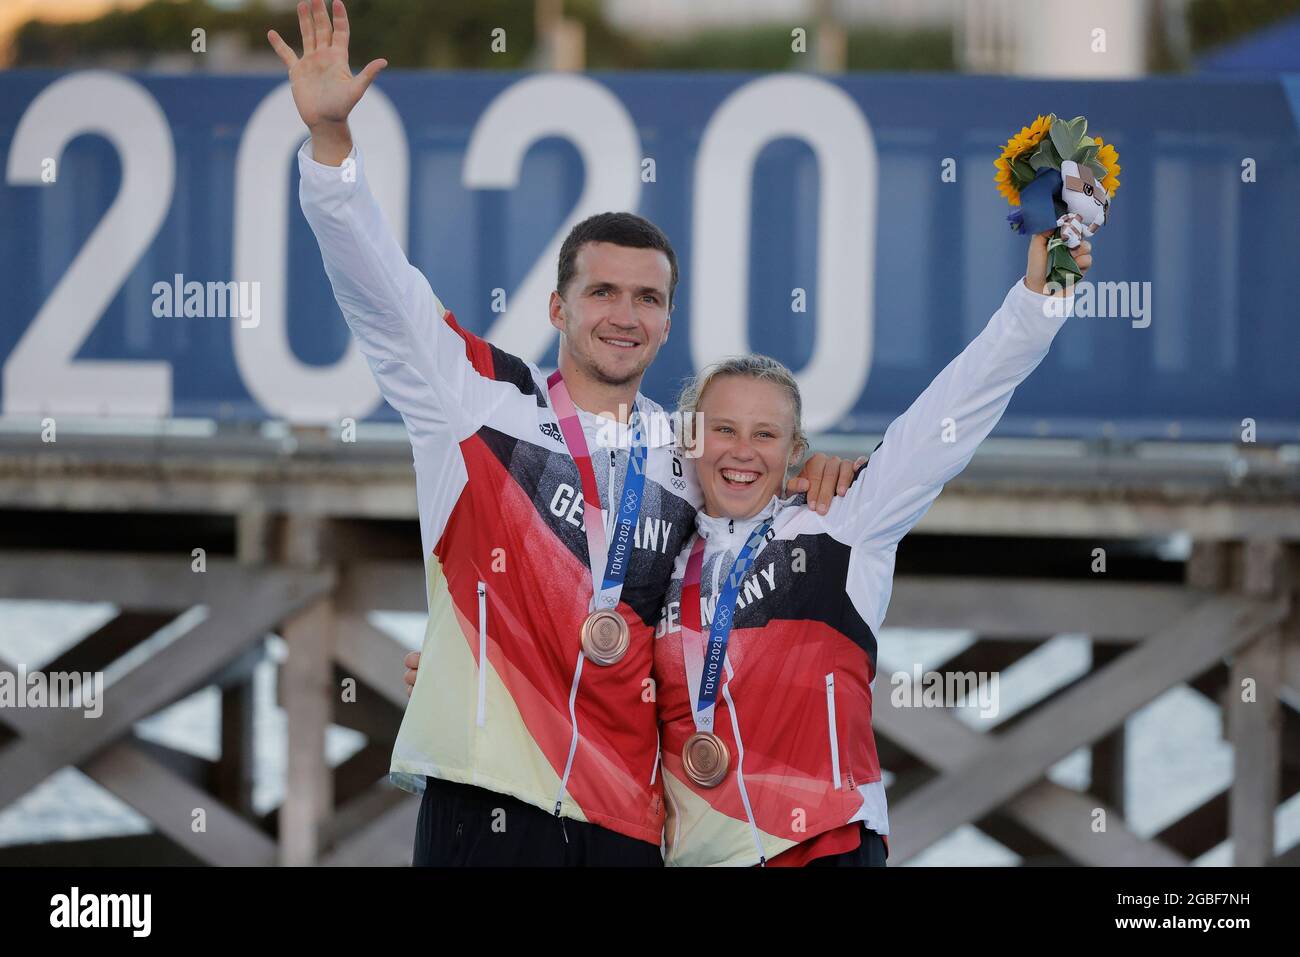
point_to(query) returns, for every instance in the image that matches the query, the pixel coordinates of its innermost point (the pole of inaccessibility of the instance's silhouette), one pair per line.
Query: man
(551, 510)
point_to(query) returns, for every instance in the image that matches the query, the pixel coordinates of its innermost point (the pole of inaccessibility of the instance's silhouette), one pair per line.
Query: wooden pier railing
(305, 542)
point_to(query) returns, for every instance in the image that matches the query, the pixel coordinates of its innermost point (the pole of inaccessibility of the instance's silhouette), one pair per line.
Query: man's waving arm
(426, 366)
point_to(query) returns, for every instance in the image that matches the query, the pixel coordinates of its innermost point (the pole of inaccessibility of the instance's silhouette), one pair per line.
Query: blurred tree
(160, 26)
(457, 35)
(919, 49)
(414, 34)
(1213, 23)
(769, 48)
(409, 34)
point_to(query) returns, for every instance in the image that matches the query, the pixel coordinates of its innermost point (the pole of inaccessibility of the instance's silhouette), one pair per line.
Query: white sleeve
(430, 370)
(937, 436)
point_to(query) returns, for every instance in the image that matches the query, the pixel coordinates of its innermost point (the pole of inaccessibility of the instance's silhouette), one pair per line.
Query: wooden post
(307, 679)
(1207, 565)
(561, 41)
(235, 766)
(1256, 724)
(1108, 752)
(234, 771)
(832, 46)
(1254, 713)
(1210, 567)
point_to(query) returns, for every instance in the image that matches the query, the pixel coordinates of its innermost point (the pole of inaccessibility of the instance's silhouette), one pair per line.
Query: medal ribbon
(704, 659)
(607, 582)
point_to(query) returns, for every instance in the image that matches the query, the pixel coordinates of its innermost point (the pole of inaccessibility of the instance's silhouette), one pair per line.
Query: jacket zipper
(482, 654)
(830, 720)
(573, 744)
(577, 671)
(609, 495)
(740, 767)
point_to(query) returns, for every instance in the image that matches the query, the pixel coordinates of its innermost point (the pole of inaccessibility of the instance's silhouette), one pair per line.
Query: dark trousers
(870, 853)
(465, 826)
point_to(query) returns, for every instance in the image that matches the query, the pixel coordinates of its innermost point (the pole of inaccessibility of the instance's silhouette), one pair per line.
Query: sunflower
(1108, 158)
(1022, 142)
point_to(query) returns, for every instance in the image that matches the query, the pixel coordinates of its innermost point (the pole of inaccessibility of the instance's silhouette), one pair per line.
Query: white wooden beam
(1255, 731)
(1011, 608)
(307, 676)
(1056, 814)
(384, 585)
(239, 616)
(387, 841)
(169, 802)
(1090, 709)
(372, 656)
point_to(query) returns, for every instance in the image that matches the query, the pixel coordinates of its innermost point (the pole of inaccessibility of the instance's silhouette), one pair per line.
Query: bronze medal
(705, 757)
(605, 637)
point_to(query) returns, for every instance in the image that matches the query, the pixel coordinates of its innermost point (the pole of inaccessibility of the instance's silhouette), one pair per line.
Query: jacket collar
(614, 434)
(725, 529)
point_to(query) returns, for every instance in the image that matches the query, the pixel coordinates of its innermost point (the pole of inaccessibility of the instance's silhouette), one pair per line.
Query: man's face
(614, 313)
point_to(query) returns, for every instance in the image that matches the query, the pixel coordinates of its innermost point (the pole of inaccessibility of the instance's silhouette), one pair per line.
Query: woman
(766, 651)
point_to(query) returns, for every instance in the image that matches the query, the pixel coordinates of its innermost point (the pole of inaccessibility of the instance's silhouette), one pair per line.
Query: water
(1176, 756)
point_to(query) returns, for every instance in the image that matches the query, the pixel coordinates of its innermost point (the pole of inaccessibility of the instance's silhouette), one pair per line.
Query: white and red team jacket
(795, 706)
(506, 701)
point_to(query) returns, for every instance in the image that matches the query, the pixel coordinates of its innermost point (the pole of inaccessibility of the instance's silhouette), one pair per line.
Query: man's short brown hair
(620, 229)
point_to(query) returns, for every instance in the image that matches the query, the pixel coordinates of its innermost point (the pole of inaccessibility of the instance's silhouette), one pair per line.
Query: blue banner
(155, 262)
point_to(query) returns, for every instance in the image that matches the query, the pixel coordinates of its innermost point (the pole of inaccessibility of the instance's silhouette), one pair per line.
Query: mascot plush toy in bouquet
(1061, 179)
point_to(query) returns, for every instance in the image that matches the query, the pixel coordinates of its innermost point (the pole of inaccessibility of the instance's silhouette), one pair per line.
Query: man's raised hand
(824, 478)
(324, 89)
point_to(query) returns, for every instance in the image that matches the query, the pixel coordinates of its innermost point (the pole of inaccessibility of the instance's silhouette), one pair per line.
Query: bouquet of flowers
(1060, 178)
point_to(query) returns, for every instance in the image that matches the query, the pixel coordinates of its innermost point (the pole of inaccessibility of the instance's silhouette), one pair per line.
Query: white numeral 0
(283, 385)
(830, 122)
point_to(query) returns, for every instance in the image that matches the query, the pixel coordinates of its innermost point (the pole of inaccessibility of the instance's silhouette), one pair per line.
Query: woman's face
(748, 443)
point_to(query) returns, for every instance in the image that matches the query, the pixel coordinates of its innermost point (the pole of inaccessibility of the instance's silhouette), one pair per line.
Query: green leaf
(1045, 156)
(1098, 170)
(1087, 156)
(1063, 138)
(1062, 268)
(1078, 127)
(1023, 172)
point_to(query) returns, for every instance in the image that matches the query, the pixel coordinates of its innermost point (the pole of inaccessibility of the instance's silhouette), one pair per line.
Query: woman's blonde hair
(752, 366)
